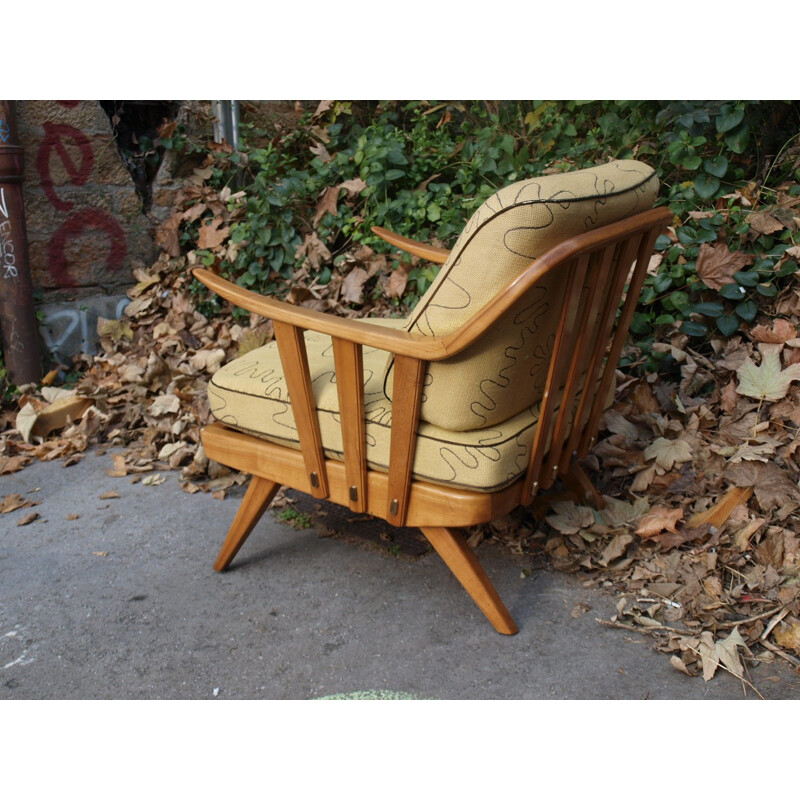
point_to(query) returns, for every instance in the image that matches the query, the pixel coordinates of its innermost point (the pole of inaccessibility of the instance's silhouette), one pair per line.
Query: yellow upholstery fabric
(504, 372)
(250, 394)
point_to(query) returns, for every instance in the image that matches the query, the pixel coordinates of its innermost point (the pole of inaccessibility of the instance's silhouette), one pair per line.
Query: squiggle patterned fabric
(512, 228)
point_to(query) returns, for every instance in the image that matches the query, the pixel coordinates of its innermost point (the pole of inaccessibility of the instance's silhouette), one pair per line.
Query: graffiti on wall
(62, 142)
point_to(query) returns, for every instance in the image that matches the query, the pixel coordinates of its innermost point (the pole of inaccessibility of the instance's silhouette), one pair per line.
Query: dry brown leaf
(788, 636)
(326, 204)
(354, 186)
(353, 285)
(771, 220)
(165, 404)
(211, 234)
(781, 331)
(772, 485)
(397, 282)
(11, 502)
(26, 520)
(120, 470)
(716, 264)
(658, 519)
(73, 516)
(767, 381)
(314, 250)
(569, 517)
(109, 495)
(668, 452)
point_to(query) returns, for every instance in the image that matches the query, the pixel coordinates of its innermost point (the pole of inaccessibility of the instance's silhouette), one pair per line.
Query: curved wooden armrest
(427, 251)
(395, 341)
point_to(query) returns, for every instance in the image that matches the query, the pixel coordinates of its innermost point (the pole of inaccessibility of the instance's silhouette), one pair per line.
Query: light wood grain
(428, 504)
(259, 495)
(427, 251)
(349, 365)
(408, 374)
(458, 556)
(292, 351)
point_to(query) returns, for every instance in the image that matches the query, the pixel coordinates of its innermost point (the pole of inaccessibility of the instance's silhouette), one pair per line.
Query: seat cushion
(504, 372)
(250, 394)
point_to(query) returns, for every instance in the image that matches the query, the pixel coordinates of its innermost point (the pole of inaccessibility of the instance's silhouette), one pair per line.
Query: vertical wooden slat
(577, 271)
(408, 375)
(292, 351)
(596, 340)
(623, 254)
(583, 339)
(646, 244)
(348, 360)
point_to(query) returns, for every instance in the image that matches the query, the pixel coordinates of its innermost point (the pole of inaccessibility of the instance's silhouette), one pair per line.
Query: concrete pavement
(121, 602)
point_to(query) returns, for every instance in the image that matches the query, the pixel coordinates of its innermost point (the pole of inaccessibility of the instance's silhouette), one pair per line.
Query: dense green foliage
(427, 167)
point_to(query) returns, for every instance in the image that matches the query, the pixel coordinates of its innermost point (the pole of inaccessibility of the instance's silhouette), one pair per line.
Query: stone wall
(86, 225)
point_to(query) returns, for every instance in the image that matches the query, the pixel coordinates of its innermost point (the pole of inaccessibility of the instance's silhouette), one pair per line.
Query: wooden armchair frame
(598, 266)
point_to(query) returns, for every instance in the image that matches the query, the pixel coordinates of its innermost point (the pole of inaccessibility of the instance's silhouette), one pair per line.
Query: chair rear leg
(578, 483)
(258, 496)
(458, 555)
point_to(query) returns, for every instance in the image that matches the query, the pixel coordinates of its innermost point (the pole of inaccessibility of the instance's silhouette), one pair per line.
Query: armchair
(483, 397)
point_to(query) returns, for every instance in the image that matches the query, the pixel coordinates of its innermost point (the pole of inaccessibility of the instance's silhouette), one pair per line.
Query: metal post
(226, 122)
(21, 350)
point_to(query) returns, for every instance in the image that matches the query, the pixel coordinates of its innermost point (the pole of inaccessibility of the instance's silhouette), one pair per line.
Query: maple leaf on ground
(767, 381)
(781, 331)
(716, 265)
(570, 518)
(772, 485)
(658, 519)
(668, 452)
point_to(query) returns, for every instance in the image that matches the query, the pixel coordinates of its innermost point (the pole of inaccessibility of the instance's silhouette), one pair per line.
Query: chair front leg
(458, 555)
(259, 495)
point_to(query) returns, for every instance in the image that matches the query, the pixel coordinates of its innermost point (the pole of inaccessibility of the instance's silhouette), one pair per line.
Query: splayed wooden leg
(458, 555)
(578, 483)
(258, 496)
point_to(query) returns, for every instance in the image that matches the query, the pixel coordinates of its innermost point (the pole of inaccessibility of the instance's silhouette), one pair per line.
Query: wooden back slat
(585, 336)
(601, 319)
(622, 255)
(645, 243)
(349, 366)
(576, 268)
(407, 395)
(294, 360)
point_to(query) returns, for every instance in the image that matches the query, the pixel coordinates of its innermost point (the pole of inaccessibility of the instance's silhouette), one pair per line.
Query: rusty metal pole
(21, 351)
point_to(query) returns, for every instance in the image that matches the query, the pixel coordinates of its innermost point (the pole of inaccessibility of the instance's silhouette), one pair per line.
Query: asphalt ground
(116, 598)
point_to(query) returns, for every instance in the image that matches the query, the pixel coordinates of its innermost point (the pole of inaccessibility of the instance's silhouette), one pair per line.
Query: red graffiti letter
(74, 226)
(54, 139)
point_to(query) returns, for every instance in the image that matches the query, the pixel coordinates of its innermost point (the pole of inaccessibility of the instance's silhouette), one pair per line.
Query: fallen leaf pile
(699, 535)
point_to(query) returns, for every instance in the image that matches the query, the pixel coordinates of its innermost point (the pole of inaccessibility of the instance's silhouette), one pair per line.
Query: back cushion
(505, 371)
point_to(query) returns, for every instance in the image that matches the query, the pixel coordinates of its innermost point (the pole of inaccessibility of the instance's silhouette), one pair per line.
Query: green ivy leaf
(788, 268)
(746, 278)
(716, 166)
(747, 310)
(729, 119)
(738, 138)
(732, 291)
(708, 309)
(706, 186)
(767, 289)
(692, 328)
(727, 324)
